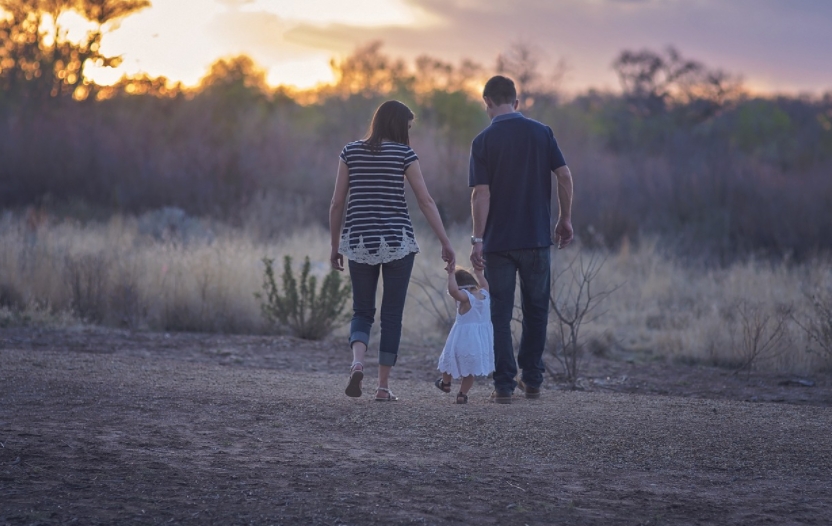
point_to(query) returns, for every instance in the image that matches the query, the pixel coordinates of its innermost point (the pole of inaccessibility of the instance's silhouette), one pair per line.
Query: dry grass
(114, 274)
(690, 314)
(118, 274)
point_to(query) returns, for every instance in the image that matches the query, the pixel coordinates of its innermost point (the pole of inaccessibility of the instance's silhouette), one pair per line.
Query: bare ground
(111, 427)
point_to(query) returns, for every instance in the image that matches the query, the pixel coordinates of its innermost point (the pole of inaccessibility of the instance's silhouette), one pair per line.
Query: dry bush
(434, 299)
(671, 309)
(40, 316)
(574, 300)
(762, 331)
(816, 323)
(126, 306)
(269, 216)
(86, 277)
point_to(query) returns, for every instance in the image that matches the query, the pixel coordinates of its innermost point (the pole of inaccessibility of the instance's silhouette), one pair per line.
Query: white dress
(470, 345)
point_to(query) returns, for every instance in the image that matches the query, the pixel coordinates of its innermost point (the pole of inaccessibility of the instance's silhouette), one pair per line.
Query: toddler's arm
(453, 288)
(481, 281)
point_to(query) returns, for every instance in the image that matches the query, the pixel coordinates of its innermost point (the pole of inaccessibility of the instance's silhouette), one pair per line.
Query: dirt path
(103, 427)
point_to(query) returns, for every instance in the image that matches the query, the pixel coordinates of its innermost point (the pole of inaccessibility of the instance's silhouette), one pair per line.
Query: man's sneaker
(500, 397)
(532, 393)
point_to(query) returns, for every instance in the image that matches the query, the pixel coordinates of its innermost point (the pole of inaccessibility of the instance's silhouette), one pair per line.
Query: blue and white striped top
(377, 228)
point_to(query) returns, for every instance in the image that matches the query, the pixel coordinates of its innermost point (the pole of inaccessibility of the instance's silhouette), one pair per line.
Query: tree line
(682, 152)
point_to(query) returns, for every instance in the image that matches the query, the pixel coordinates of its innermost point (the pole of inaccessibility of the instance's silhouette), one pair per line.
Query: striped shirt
(377, 228)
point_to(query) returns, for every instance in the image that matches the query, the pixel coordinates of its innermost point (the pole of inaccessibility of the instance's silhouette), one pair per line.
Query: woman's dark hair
(465, 278)
(389, 123)
(500, 90)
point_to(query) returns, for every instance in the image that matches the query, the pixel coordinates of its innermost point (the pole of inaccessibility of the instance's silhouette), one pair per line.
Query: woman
(377, 235)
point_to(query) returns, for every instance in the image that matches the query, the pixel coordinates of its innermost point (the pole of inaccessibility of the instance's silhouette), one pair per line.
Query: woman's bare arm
(428, 207)
(336, 214)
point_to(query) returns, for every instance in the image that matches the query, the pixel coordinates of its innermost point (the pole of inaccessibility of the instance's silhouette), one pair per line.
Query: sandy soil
(110, 427)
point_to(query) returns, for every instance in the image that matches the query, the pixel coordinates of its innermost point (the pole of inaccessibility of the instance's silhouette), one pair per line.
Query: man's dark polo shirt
(515, 157)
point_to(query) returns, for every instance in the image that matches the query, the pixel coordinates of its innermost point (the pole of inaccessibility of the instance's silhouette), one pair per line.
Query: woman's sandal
(356, 375)
(461, 398)
(442, 386)
(389, 398)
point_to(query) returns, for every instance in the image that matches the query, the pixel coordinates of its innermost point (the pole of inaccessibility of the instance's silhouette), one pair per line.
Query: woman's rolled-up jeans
(395, 279)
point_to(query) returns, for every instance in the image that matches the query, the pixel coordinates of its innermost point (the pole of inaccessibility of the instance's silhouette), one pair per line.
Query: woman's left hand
(336, 260)
(449, 257)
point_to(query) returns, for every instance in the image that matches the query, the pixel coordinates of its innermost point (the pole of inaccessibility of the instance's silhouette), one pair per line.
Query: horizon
(774, 48)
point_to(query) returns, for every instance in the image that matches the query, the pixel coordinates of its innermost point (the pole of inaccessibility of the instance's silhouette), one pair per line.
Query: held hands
(477, 259)
(449, 257)
(563, 234)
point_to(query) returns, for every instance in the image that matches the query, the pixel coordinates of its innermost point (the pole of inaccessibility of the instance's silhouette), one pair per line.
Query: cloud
(234, 4)
(258, 33)
(262, 36)
(774, 44)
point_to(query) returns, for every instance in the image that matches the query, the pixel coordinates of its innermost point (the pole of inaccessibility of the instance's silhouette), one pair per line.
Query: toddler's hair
(465, 278)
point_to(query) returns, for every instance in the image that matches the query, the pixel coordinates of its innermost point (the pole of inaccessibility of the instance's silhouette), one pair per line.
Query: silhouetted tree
(370, 73)
(521, 62)
(142, 84)
(524, 63)
(653, 82)
(108, 11)
(433, 74)
(37, 61)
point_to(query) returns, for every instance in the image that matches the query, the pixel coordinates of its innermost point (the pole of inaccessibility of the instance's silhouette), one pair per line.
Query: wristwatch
(475, 240)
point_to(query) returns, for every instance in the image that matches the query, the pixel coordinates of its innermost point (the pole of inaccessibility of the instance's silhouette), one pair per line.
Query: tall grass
(691, 314)
(115, 274)
(203, 276)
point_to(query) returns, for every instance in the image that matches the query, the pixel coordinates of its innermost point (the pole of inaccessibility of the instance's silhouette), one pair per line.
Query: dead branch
(573, 299)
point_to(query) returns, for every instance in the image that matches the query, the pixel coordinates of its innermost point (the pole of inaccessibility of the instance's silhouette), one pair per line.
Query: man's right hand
(477, 259)
(563, 234)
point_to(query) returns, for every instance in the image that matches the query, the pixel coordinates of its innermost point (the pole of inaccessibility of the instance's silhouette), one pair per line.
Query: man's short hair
(500, 90)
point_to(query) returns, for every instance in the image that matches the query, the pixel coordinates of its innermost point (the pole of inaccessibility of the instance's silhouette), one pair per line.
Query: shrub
(306, 312)
(86, 277)
(574, 299)
(818, 325)
(761, 332)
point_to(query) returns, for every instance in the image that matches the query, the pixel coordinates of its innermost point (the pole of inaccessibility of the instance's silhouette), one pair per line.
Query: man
(515, 167)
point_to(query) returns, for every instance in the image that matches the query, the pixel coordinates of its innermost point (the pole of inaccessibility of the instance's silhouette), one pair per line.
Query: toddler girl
(469, 350)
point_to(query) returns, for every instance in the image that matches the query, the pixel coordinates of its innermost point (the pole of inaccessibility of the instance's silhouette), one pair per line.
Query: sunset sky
(776, 45)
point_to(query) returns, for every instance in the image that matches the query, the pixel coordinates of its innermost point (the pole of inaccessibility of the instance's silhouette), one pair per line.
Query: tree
(654, 82)
(433, 74)
(236, 82)
(523, 62)
(142, 84)
(370, 73)
(108, 11)
(38, 61)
